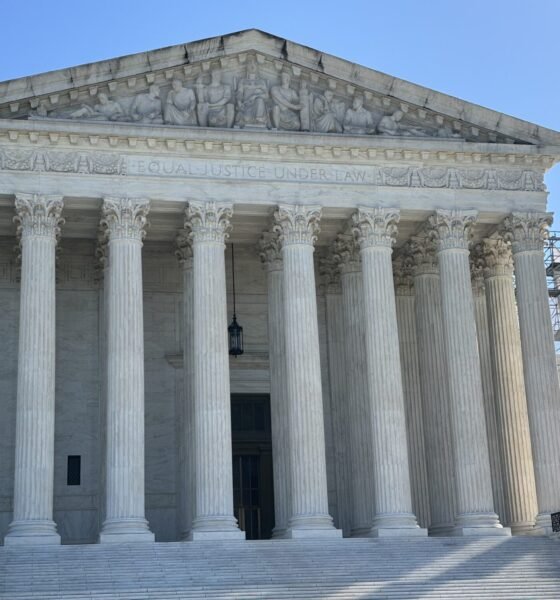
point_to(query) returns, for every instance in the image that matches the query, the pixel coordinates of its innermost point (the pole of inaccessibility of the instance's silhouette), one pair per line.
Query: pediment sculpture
(249, 100)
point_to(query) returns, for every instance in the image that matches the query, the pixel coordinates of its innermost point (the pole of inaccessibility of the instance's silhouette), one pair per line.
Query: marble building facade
(378, 228)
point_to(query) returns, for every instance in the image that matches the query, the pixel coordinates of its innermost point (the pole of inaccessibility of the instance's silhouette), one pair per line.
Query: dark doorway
(253, 496)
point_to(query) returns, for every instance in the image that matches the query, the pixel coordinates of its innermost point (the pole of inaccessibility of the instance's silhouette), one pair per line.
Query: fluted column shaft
(527, 232)
(412, 391)
(358, 409)
(338, 387)
(509, 389)
(433, 381)
(186, 472)
(38, 218)
(214, 518)
(125, 219)
(271, 255)
(486, 371)
(298, 226)
(375, 230)
(475, 504)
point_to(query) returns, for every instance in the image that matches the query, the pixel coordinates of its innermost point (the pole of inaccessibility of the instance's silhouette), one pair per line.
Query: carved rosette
(452, 229)
(375, 227)
(209, 221)
(38, 215)
(329, 270)
(297, 223)
(403, 273)
(125, 218)
(346, 252)
(477, 262)
(527, 231)
(498, 258)
(183, 248)
(423, 250)
(270, 251)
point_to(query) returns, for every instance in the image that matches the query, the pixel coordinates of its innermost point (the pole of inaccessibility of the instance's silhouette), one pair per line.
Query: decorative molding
(526, 231)
(452, 229)
(38, 215)
(269, 249)
(208, 221)
(297, 224)
(375, 227)
(125, 218)
(434, 177)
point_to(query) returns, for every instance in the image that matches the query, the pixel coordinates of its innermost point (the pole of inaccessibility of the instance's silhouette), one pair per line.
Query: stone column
(39, 221)
(330, 272)
(125, 220)
(434, 384)
(475, 503)
(360, 440)
(375, 230)
(271, 256)
(509, 389)
(478, 263)
(210, 223)
(298, 227)
(412, 391)
(186, 474)
(527, 232)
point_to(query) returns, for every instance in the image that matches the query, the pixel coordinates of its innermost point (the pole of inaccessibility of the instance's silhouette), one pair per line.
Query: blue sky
(502, 54)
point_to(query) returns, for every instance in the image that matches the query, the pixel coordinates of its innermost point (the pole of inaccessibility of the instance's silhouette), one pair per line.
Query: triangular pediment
(252, 79)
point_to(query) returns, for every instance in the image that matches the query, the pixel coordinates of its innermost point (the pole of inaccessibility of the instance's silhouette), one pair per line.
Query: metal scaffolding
(552, 263)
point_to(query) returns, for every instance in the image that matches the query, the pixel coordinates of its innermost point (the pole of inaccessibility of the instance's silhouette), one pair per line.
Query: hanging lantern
(235, 331)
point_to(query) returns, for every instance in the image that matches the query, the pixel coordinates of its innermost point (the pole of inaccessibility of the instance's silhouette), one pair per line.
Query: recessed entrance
(253, 496)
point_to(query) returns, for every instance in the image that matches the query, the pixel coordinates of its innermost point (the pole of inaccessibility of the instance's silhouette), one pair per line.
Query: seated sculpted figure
(106, 110)
(180, 105)
(391, 125)
(215, 107)
(286, 105)
(251, 96)
(357, 119)
(328, 112)
(146, 108)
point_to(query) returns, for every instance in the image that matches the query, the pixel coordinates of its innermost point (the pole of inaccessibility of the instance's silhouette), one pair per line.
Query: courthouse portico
(378, 227)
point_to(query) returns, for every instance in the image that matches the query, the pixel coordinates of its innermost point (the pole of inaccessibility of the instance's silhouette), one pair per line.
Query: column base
(278, 534)
(543, 525)
(379, 532)
(522, 528)
(32, 532)
(312, 526)
(396, 525)
(215, 528)
(480, 524)
(124, 531)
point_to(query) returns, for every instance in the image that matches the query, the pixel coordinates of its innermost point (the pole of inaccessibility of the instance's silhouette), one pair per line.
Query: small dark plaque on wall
(555, 517)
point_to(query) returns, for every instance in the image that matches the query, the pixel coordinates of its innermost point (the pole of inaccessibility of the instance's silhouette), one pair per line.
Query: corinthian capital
(498, 257)
(209, 221)
(183, 248)
(329, 270)
(270, 251)
(375, 226)
(424, 255)
(38, 215)
(527, 231)
(297, 223)
(403, 271)
(125, 218)
(477, 262)
(452, 228)
(347, 253)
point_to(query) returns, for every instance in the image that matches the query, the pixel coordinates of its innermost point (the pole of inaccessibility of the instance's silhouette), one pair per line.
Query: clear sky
(503, 54)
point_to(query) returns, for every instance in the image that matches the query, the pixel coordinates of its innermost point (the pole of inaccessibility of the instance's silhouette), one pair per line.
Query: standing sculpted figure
(251, 96)
(180, 105)
(286, 105)
(328, 112)
(215, 106)
(105, 110)
(357, 119)
(146, 108)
